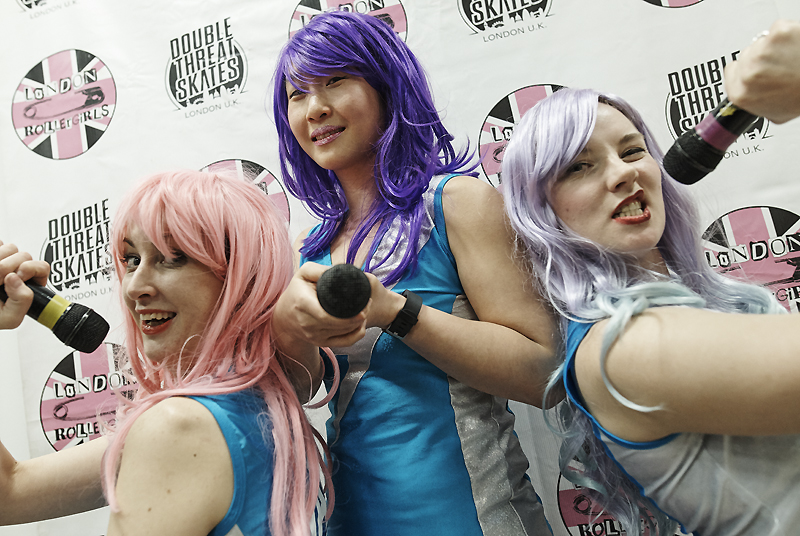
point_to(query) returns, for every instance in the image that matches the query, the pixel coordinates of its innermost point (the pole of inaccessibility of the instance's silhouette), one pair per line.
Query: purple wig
(584, 280)
(414, 145)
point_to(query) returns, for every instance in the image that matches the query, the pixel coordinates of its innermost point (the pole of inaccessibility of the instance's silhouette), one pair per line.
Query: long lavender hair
(586, 282)
(233, 228)
(413, 147)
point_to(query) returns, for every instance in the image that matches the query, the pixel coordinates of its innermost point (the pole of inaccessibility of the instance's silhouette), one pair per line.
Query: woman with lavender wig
(418, 447)
(672, 371)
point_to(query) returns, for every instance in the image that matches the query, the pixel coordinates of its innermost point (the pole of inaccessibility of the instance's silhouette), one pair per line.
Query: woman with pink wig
(215, 439)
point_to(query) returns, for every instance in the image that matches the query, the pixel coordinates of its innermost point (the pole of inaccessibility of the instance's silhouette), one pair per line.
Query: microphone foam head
(81, 328)
(691, 158)
(343, 290)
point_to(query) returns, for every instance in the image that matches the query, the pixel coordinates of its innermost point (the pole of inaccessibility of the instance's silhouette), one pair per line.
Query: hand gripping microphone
(698, 151)
(74, 324)
(343, 290)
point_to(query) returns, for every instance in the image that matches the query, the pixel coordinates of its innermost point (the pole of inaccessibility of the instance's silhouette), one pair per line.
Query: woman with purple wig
(672, 371)
(214, 440)
(418, 446)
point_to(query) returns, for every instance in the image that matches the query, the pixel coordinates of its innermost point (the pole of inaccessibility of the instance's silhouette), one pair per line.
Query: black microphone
(343, 290)
(74, 324)
(697, 152)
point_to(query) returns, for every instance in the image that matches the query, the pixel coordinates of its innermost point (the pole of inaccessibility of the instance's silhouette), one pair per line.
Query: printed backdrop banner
(99, 94)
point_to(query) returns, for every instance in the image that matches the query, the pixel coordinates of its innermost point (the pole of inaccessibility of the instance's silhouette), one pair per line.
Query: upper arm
(710, 372)
(493, 274)
(175, 475)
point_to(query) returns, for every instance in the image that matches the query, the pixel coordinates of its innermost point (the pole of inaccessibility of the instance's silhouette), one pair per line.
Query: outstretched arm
(61, 483)
(765, 78)
(716, 373)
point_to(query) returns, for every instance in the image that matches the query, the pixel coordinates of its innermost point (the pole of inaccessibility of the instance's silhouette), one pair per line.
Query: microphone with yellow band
(74, 324)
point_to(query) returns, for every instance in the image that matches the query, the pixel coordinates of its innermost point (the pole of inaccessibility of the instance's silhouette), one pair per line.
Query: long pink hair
(233, 228)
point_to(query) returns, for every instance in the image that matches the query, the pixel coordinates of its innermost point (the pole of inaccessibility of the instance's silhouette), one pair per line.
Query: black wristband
(407, 317)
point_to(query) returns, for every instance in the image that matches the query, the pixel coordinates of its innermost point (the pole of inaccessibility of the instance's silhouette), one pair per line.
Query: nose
(620, 174)
(318, 107)
(139, 283)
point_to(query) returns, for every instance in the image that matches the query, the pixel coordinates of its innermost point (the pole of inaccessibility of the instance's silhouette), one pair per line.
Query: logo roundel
(79, 395)
(258, 175)
(499, 124)
(205, 64)
(482, 15)
(391, 12)
(673, 3)
(758, 245)
(64, 104)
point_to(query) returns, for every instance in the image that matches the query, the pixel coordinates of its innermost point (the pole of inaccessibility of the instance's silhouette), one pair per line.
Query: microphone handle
(47, 306)
(724, 124)
(72, 323)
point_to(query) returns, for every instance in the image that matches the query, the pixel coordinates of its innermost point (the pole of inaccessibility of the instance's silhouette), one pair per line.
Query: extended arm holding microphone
(60, 483)
(764, 81)
(765, 78)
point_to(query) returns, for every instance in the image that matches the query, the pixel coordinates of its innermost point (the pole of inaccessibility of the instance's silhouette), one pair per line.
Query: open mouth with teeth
(631, 210)
(154, 320)
(329, 134)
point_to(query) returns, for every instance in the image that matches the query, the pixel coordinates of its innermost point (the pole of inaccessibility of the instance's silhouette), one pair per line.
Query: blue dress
(416, 452)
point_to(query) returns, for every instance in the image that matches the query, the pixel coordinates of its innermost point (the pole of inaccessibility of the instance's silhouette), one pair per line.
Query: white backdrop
(91, 107)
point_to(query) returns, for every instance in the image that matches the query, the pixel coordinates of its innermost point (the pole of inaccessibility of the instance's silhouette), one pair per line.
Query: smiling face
(170, 301)
(611, 193)
(337, 121)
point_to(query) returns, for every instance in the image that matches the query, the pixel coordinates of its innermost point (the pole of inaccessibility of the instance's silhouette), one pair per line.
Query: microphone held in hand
(697, 152)
(343, 290)
(74, 324)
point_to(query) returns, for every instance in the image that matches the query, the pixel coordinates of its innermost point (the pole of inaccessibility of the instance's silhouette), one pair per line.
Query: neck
(360, 190)
(654, 262)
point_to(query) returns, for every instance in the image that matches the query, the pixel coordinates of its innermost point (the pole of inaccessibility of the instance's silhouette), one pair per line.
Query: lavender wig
(413, 147)
(586, 282)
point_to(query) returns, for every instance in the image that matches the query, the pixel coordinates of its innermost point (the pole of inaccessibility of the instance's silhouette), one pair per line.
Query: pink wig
(233, 228)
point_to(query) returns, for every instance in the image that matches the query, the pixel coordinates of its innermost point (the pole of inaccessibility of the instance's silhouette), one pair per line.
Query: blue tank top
(415, 451)
(240, 416)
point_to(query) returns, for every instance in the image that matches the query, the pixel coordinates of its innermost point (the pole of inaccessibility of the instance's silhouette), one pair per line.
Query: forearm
(55, 485)
(300, 360)
(484, 355)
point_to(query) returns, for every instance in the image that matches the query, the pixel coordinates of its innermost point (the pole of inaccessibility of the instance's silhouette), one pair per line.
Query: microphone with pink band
(697, 152)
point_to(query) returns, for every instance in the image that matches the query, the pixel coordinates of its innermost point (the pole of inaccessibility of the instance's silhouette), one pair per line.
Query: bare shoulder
(175, 413)
(172, 428)
(470, 191)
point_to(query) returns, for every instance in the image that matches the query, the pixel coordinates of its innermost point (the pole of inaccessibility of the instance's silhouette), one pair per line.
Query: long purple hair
(413, 147)
(585, 281)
